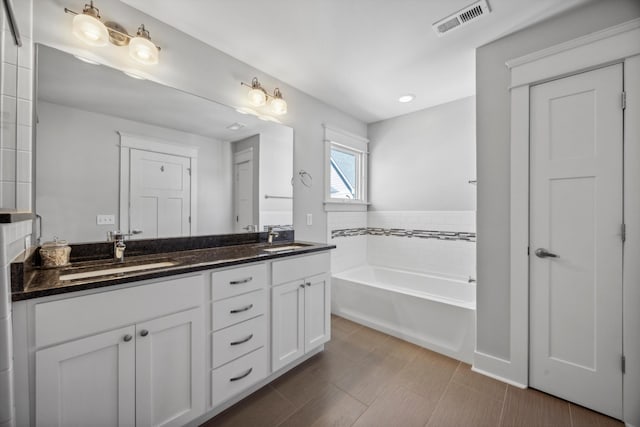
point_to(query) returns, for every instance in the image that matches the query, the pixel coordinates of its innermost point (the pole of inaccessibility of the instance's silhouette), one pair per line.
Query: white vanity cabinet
(300, 307)
(91, 370)
(238, 330)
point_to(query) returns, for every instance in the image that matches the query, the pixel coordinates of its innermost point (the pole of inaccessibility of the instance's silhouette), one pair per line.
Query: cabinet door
(317, 311)
(287, 323)
(87, 382)
(170, 377)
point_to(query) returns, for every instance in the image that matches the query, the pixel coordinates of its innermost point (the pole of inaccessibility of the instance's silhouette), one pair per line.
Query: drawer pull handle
(241, 281)
(240, 310)
(246, 374)
(242, 341)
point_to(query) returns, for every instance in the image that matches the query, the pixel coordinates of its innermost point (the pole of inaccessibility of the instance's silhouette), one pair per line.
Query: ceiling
(357, 55)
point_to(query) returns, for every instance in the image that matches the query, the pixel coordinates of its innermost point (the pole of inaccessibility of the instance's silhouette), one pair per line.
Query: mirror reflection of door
(160, 195)
(243, 190)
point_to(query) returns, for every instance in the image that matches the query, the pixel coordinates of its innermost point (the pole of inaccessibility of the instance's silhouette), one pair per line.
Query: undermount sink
(116, 270)
(285, 248)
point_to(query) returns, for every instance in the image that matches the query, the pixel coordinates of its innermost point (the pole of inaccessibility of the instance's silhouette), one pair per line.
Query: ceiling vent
(462, 17)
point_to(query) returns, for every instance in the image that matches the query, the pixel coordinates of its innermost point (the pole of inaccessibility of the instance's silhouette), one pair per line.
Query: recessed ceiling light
(236, 126)
(407, 98)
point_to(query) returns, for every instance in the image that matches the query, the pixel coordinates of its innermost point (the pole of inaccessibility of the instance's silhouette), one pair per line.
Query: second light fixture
(258, 97)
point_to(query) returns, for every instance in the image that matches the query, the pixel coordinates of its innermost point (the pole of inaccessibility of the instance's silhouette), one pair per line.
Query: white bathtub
(434, 312)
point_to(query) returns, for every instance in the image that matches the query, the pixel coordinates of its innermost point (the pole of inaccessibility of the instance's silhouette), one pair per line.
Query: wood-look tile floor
(367, 378)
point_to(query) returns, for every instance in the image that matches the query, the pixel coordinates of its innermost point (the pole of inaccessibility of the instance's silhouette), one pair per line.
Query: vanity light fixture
(258, 97)
(88, 27)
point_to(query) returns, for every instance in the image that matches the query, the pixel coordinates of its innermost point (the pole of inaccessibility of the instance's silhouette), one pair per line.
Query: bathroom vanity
(172, 344)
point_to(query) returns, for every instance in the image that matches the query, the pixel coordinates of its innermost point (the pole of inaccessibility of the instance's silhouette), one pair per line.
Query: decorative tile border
(401, 232)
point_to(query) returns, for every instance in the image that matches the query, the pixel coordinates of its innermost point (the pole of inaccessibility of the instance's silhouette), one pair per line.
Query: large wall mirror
(116, 152)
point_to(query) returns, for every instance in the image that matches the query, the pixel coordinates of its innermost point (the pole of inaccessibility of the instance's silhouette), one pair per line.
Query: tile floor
(367, 378)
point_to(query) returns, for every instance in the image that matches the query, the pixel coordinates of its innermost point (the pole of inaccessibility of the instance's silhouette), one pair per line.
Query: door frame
(617, 44)
(130, 141)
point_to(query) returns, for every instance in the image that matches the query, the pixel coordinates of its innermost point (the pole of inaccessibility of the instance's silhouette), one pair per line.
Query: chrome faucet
(271, 235)
(117, 237)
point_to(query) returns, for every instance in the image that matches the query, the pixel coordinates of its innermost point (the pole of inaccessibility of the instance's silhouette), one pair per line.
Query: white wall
(78, 159)
(493, 115)
(424, 160)
(190, 65)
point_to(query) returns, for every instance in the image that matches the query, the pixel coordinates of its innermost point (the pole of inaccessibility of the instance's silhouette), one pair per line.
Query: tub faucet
(271, 235)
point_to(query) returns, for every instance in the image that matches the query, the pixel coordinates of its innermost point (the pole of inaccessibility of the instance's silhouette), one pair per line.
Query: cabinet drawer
(236, 281)
(238, 309)
(234, 377)
(237, 340)
(74, 317)
(292, 269)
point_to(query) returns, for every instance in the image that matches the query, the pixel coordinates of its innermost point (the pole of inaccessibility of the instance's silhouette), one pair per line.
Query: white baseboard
(496, 368)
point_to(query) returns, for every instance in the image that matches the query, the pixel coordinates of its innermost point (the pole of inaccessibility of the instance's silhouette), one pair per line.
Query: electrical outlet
(105, 219)
(309, 219)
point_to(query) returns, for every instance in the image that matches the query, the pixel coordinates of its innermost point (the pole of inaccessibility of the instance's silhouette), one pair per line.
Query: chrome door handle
(543, 253)
(136, 231)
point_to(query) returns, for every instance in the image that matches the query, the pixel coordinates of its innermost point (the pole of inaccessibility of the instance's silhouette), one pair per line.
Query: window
(346, 168)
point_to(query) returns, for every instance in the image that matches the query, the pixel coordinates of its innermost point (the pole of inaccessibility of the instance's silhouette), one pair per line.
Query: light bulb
(278, 105)
(257, 97)
(90, 30)
(142, 49)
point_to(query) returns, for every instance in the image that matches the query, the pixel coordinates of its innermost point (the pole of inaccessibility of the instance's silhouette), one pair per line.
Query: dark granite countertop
(38, 282)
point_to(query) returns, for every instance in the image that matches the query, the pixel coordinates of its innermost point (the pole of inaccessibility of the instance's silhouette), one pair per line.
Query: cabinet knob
(302, 286)
(308, 284)
(127, 338)
(144, 333)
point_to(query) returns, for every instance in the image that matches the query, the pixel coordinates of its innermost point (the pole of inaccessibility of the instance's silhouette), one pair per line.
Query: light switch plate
(105, 219)
(309, 219)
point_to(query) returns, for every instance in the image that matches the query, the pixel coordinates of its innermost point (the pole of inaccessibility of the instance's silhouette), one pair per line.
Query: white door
(90, 381)
(160, 194)
(317, 309)
(243, 190)
(170, 370)
(576, 214)
(287, 323)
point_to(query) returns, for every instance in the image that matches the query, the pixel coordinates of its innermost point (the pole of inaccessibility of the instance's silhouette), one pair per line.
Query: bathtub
(434, 312)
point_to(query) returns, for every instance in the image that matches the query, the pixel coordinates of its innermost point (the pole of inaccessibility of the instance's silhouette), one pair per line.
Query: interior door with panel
(160, 194)
(169, 369)
(243, 191)
(87, 379)
(575, 238)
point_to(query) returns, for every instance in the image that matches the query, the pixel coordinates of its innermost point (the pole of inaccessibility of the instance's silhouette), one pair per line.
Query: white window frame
(354, 144)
